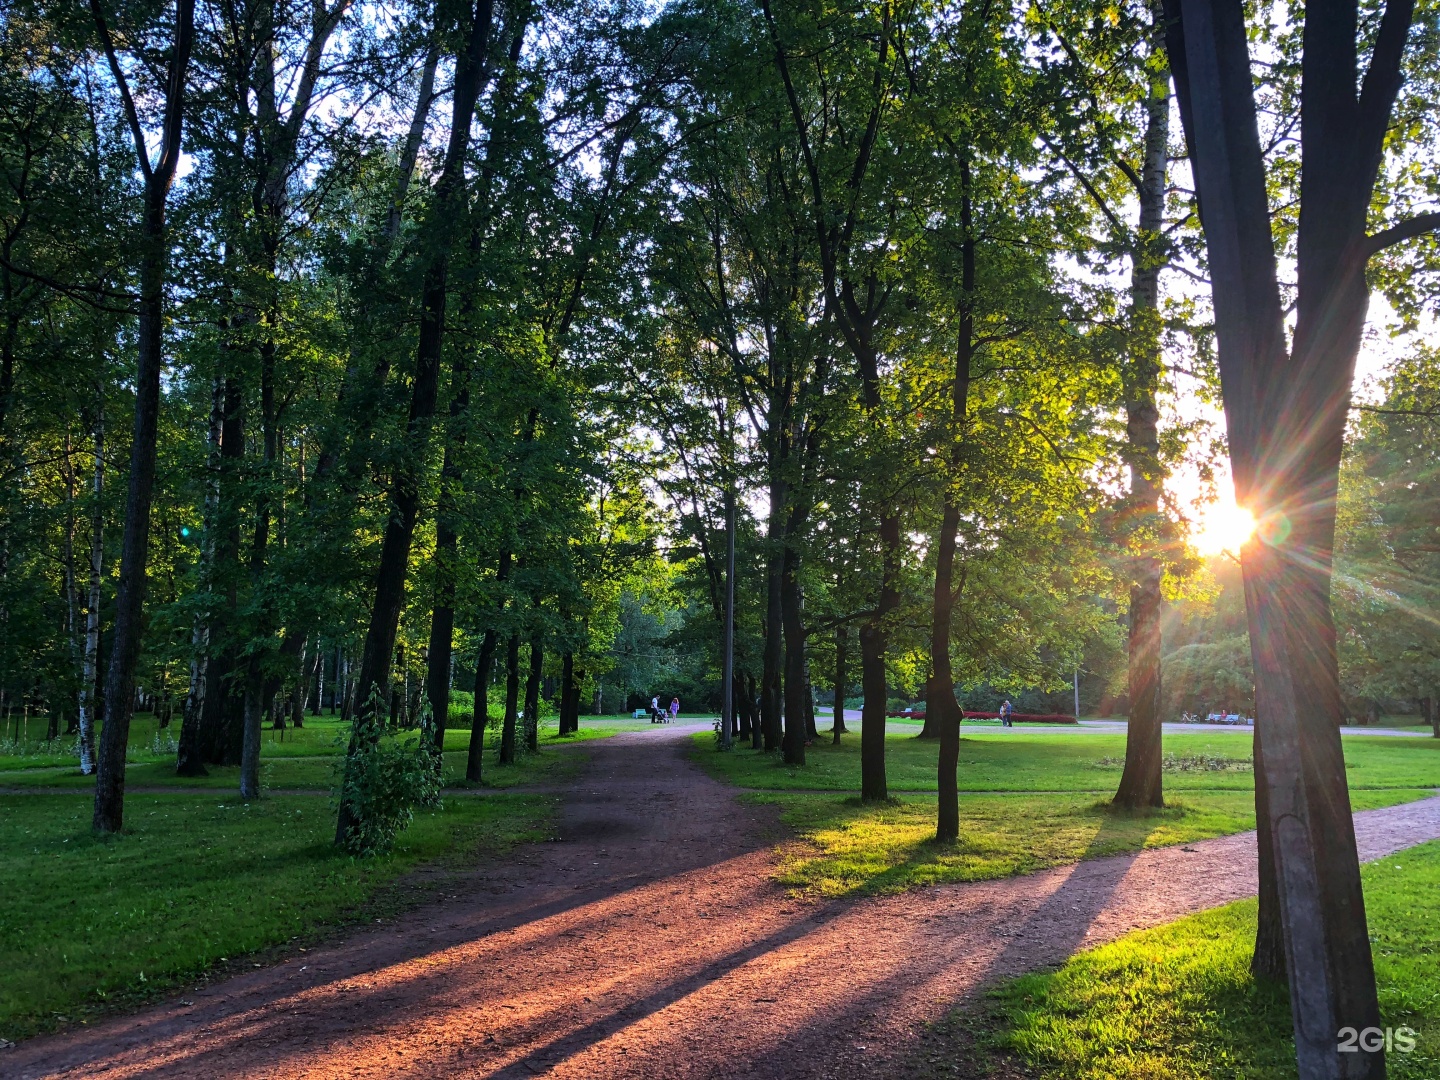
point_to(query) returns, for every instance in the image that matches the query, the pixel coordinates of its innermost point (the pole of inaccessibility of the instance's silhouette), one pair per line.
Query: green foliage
(387, 775)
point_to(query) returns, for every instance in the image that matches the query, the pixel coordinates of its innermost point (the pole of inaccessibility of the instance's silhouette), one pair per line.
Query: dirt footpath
(649, 942)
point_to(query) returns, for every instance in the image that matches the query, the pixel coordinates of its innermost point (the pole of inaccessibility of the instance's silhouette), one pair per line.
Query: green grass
(200, 879)
(1032, 801)
(1019, 760)
(1178, 1002)
(306, 759)
(846, 846)
(194, 883)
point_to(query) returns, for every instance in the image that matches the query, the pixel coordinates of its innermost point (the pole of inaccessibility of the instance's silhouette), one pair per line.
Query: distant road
(1119, 727)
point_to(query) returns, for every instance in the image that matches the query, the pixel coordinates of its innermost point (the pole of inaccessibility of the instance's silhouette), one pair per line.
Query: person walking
(1005, 711)
(674, 707)
(655, 709)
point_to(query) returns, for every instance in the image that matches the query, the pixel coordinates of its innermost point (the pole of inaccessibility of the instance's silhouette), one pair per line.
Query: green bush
(388, 775)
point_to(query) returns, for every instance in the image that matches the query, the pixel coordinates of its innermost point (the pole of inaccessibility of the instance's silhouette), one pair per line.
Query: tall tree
(159, 176)
(1286, 408)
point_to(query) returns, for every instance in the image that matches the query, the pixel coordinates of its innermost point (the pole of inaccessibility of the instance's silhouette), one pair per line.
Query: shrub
(388, 775)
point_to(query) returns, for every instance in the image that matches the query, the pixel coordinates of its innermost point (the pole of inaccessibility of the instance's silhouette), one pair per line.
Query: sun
(1222, 526)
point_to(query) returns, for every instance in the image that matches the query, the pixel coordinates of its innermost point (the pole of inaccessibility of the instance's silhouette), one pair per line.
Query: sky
(1220, 525)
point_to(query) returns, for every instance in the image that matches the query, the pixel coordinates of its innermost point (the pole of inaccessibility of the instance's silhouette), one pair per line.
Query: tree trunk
(1268, 961)
(89, 673)
(405, 493)
(874, 645)
(771, 700)
(480, 717)
(751, 703)
(447, 540)
(1286, 412)
(219, 724)
(512, 699)
(1141, 783)
(135, 541)
(794, 630)
(842, 646)
(258, 693)
(569, 695)
(532, 694)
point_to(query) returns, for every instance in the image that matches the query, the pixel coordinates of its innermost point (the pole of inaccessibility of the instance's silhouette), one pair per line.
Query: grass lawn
(1034, 801)
(199, 880)
(1178, 1002)
(305, 759)
(195, 882)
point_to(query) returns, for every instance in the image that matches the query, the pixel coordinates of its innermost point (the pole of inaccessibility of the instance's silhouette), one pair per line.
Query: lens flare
(1223, 527)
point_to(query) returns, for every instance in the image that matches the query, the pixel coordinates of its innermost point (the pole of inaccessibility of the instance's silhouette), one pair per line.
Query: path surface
(1104, 727)
(650, 942)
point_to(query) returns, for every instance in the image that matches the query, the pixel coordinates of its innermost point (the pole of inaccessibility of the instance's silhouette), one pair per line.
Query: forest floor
(653, 940)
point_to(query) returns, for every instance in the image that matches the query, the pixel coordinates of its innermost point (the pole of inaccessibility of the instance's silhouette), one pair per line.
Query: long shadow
(264, 989)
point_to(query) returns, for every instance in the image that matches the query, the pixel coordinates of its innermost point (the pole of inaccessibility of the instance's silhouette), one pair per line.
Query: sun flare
(1222, 526)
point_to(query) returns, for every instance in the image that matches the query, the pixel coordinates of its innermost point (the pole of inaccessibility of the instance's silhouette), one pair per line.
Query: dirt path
(650, 942)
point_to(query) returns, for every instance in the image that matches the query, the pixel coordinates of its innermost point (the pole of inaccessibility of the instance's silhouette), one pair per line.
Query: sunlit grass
(1017, 760)
(846, 846)
(1179, 1003)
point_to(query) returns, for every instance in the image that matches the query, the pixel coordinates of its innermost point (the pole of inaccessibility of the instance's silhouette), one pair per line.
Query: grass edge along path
(198, 885)
(1047, 804)
(1178, 1002)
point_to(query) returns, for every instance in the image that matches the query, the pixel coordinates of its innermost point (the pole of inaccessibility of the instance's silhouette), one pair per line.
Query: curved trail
(650, 942)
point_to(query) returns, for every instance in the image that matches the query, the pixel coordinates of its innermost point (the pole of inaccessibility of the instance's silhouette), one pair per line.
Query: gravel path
(650, 942)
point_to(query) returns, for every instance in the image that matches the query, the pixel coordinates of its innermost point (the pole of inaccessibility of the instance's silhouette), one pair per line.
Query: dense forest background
(416, 354)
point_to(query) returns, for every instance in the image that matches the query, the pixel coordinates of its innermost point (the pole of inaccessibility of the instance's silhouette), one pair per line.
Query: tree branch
(1406, 230)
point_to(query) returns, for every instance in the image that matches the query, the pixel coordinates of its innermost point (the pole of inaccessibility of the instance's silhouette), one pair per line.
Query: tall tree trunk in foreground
(940, 703)
(135, 542)
(449, 197)
(1141, 782)
(480, 717)
(1286, 410)
(1268, 961)
(842, 647)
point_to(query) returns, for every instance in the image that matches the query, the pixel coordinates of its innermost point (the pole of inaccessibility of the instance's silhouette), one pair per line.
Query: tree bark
(794, 631)
(400, 526)
(480, 718)
(1286, 411)
(512, 700)
(135, 541)
(1268, 960)
(874, 645)
(219, 724)
(842, 646)
(771, 701)
(89, 673)
(1141, 784)
(447, 542)
(532, 694)
(941, 706)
